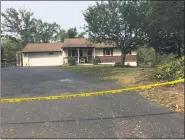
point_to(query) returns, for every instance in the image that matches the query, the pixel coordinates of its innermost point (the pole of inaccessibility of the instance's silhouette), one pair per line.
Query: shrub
(164, 59)
(170, 71)
(96, 60)
(117, 64)
(145, 56)
(71, 61)
(148, 56)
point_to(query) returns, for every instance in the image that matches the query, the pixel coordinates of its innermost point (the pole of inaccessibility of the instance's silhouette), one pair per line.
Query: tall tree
(82, 35)
(18, 22)
(72, 32)
(116, 22)
(165, 26)
(23, 25)
(62, 35)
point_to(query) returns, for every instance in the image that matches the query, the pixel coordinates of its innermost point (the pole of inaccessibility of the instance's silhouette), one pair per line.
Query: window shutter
(112, 52)
(104, 51)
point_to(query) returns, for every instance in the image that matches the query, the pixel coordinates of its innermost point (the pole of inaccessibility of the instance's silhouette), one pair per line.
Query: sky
(65, 13)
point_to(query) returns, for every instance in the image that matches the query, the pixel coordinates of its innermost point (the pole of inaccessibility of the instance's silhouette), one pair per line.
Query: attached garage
(44, 54)
(45, 59)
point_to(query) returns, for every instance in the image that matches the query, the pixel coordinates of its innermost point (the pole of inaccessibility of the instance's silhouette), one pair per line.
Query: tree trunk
(123, 58)
(179, 49)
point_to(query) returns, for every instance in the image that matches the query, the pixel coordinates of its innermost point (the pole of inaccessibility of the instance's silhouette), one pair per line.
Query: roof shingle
(82, 42)
(42, 47)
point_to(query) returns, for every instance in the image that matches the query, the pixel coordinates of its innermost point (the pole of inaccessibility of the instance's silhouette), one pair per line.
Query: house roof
(82, 42)
(42, 47)
(68, 43)
(76, 42)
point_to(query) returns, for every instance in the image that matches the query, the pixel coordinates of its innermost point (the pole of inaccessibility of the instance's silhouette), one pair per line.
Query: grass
(169, 96)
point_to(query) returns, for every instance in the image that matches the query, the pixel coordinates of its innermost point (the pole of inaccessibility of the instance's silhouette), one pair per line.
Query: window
(51, 53)
(81, 52)
(89, 52)
(108, 52)
(72, 53)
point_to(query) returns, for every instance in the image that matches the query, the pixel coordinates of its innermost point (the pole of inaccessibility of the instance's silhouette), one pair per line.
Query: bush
(145, 56)
(96, 60)
(164, 59)
(148, 57)
(71, 61)
(117, 64)
(170, 71)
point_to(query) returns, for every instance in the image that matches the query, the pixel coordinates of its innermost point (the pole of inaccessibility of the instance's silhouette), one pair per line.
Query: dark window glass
(81, 52)
(51, 53)
(89, 52)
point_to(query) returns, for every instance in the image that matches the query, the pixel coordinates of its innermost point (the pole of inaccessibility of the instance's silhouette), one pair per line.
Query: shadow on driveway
(91, 119)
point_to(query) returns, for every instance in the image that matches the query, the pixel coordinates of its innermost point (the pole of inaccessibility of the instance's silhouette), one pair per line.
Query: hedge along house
(84, 52)
(54, 54)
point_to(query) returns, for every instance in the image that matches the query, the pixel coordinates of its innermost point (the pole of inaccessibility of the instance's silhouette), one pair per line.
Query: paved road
(125, 115)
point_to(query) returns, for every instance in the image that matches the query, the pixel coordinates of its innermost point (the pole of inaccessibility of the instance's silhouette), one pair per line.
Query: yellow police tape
(89, 93)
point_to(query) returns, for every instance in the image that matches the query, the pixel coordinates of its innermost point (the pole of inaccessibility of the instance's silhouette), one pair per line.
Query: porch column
(17, 62)
(94, 53)
(20, 60)
(78, 55)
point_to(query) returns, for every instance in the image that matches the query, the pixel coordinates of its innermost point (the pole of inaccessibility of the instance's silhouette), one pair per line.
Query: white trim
(133, 63)
(110, 52)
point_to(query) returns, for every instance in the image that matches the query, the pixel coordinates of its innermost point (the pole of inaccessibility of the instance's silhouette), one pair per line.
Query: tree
(165, 26)
(9, 47)
(18, 22)
(2, 53)
(62, 35)
(118, 23)
(81, 35)
(46, 32)
(72, 32)
(30, 30)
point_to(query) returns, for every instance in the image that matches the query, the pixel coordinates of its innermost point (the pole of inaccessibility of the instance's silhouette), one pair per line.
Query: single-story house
(53, 54)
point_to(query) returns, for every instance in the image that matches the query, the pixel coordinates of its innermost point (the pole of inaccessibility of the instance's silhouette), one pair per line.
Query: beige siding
(42, 59)
(133, 53)
(116, 52)
(25, 59)
(99, 52)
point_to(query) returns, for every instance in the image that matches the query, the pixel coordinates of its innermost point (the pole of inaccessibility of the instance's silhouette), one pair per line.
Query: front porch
(82, 55)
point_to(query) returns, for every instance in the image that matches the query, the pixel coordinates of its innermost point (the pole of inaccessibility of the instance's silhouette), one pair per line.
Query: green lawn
(119, 74)
(169, 96)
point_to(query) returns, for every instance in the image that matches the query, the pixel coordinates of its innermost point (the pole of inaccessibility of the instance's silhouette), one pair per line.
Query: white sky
(65, 13)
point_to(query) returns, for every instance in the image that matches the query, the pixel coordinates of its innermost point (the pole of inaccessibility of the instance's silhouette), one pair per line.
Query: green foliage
(164, 59)
(30, 30)
(148, 56)
(72, 32)
(81, 35)
(145, 55)
(62, 35)
(165, 26)
(10, 47)
(71, 61)
(116, 22)
(171, 71)
(96, 60)
(117, 64)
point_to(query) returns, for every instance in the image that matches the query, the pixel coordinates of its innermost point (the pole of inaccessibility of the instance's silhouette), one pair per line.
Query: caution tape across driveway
(6, 100)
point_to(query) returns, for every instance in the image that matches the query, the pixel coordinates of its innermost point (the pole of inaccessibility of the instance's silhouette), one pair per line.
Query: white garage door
(45, 59)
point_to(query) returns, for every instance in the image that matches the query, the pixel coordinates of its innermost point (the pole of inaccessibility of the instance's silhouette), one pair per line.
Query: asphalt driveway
(125, 115)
